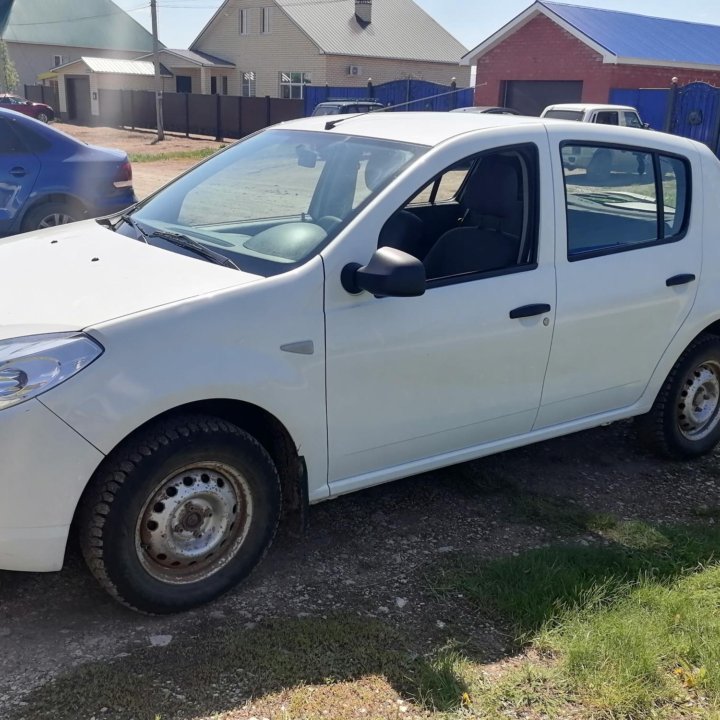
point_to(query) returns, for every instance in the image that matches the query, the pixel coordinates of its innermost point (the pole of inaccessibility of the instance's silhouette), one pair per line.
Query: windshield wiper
(134, 225)
(187, 243)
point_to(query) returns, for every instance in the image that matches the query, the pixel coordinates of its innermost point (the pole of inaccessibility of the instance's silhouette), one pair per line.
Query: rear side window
(564, 114)
(32, 140)
(607, 118)
(632, 120)
(9, 141)
(622, 198)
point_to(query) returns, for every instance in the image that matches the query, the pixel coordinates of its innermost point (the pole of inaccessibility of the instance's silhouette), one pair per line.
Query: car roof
(486, 109)
(350, 102)
(434, 128)
(584, 107)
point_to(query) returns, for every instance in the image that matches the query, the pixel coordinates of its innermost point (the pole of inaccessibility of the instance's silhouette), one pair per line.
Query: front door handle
(680, 279)
(529, 310)
(18, 171)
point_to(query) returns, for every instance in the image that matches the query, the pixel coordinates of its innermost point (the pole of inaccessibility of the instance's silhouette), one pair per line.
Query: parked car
(39, 111)
(48, 178)
(622, 115)
(491, 109)
(315, 310)
(345, 107)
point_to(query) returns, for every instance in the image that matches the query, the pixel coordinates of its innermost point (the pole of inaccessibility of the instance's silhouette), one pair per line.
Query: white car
(332, 304)
(622, 115)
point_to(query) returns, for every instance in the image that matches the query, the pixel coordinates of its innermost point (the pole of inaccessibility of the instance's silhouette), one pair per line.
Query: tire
(684, 421)
(50, 214)
(43, 117)
(180, 514)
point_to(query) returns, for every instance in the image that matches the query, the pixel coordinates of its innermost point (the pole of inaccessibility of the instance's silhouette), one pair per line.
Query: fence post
(268, 114)
(453, 97)
(672, 102)
(132, 109)
(371, 89)
(240, 104)
(218, 119)
(187, 114)
(407, 95)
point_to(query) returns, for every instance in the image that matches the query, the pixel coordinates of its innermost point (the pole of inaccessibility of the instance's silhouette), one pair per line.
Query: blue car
(48, 178)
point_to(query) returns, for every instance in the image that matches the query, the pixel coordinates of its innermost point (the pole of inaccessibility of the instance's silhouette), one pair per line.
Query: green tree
(9, 77)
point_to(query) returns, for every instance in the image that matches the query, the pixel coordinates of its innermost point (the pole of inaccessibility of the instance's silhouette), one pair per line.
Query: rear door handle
(680, 279)
(529, 310)
(18, 172)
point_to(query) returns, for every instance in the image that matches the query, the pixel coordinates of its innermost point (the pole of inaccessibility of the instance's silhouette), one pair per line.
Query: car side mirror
(390, 273)
(646, 126)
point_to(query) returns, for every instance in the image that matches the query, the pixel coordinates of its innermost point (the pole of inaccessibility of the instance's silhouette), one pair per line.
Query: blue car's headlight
(33, 364)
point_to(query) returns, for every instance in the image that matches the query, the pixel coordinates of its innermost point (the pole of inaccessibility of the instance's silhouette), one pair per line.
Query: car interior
(476, 217)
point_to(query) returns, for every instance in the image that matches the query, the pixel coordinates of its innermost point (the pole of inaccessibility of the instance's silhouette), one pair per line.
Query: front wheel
(181, 515)
(684, 421)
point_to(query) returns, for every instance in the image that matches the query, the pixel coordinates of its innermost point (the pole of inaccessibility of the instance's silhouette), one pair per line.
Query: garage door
(78, 99)
(531, 97)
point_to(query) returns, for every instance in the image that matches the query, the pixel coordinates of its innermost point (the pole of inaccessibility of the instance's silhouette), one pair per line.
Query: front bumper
(44, 467)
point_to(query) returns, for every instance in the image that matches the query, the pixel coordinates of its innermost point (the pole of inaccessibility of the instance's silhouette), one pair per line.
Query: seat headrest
(493, 188)
(382, 164)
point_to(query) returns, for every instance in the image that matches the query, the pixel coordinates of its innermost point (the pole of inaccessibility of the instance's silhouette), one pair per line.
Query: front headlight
(33, 364)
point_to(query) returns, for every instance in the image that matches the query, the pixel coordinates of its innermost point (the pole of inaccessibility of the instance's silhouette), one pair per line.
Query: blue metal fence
(651, 104)
(411, 94)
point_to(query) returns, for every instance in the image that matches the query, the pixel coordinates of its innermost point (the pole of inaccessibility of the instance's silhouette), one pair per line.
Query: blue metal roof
(640, 36)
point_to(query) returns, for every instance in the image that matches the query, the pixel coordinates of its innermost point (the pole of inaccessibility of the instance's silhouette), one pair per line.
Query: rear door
(19, 169)
(628, 263)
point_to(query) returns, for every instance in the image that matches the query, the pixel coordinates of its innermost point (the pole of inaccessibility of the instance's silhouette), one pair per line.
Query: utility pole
(158, 79)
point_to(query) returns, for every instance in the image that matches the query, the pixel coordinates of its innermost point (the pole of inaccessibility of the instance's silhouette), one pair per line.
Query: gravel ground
(365, 553)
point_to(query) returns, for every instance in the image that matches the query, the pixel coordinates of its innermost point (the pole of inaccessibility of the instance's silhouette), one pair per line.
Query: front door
(19, 169)
(628, 266)
(430, 379)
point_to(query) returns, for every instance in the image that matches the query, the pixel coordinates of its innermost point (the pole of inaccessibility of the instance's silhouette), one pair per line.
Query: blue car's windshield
(274, 200)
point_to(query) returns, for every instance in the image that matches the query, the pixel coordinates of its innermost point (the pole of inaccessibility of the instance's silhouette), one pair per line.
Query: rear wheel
(51, 214)
(182, 515)
(43, 117)
(684, 421)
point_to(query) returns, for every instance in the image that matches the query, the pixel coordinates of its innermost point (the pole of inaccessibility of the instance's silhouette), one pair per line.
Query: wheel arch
(61, 197)
(267, 429)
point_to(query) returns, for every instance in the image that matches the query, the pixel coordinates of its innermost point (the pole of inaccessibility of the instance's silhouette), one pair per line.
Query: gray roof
(87, 24)
(200, 58)
(117, 66)
(400, 29)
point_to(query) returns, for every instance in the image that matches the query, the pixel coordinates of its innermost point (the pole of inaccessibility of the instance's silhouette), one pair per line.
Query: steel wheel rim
(42, 117)
(194, 523)
(54, 219)
(698, 407)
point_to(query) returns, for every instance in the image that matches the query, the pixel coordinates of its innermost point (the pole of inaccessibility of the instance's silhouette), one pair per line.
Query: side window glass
(611, 199)
(632, 120)
(9, 141)
(444, 188)
(675, 193)
(489, 228)
(607, 118)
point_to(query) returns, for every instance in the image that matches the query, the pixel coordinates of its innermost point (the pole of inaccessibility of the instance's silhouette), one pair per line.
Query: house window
(213, 85)
(244, 21)
(248, 84)
(183, 84)
(224, 85)
(292, 83)
(265, 25)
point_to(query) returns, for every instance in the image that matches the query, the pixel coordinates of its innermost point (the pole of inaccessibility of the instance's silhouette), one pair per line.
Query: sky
(180, 21)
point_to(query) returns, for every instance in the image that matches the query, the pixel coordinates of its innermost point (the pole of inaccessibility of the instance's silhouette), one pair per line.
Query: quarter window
(618, 199)
(292, 84)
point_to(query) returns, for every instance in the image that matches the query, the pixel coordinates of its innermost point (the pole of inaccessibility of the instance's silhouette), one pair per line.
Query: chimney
(363, 12)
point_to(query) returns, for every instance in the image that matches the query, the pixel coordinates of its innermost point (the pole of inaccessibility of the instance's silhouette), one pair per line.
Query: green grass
(174, 155)
(632, 624)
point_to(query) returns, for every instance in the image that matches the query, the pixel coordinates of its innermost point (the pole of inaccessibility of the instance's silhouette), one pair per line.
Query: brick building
(553, 53)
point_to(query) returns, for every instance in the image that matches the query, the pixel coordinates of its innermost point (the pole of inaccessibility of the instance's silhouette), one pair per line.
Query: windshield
(564, 114)
(326, 110)
(271, 202)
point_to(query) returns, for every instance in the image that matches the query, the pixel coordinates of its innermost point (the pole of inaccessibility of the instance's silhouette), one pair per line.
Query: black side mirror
(646, 126)
(390, 273)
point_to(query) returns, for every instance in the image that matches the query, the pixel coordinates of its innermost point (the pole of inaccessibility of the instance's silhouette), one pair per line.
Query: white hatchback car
(331, 304)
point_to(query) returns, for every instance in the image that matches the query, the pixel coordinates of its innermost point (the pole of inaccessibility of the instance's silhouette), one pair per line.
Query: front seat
(492, 241)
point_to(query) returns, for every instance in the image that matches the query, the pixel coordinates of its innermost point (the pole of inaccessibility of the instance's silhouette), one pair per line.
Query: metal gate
(695, 113)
